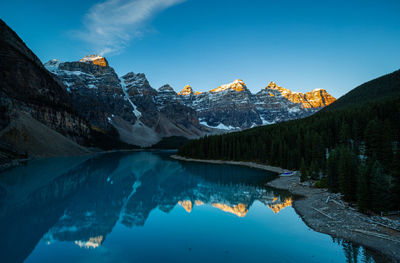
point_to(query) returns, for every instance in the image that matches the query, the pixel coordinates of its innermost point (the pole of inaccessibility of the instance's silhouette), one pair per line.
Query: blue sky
(301, 45)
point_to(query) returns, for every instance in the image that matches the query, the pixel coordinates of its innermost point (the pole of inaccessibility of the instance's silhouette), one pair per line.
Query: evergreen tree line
(353, 150)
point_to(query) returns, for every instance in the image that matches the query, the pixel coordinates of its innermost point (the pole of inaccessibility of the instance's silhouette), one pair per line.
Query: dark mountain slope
(379, 88)
(23, 77)
(34, 107)
(25, 85)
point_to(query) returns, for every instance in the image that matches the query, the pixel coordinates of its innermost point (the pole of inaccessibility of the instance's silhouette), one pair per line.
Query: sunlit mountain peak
(95, 59)
(317, 98)
(237, 85)
(187, 90)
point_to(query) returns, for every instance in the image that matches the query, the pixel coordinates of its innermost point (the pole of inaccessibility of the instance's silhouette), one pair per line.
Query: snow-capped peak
(95, 59)
(187, 90)
(273, 85)
(317, 89)
(91, 58)
(238, 85)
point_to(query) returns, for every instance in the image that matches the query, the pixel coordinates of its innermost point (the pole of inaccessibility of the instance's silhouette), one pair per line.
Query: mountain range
(144, 115)
(84, 105)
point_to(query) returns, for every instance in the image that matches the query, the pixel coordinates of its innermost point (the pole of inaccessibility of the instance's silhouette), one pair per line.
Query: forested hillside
(380, 88)
(352, 149)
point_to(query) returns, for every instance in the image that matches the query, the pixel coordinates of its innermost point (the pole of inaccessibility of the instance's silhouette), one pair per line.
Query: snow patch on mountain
(220, 126)
(265, 122)
(91, 58)
(137, 113)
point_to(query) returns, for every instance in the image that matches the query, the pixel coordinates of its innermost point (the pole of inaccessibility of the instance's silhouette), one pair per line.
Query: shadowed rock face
(26, 86)
(169, 104)
(140, 92)
(231, 106)
(141, 114)
(95, 90)
(23, 78)
(162, 110)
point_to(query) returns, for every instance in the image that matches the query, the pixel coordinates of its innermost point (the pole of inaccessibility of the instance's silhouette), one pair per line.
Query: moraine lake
(146, 207)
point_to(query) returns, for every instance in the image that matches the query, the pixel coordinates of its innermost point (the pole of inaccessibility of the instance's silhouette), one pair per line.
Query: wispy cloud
(109, 26)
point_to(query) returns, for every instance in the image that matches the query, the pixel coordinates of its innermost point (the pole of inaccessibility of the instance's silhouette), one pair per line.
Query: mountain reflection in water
(80, 200)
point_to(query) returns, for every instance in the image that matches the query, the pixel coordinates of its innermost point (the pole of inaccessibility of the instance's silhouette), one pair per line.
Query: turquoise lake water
(147, 207)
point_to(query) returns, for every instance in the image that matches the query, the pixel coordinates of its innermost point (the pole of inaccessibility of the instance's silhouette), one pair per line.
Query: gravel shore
(249, 164)
(331, 215)
(338, 220)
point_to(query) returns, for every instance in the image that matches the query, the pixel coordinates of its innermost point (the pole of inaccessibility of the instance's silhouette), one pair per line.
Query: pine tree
(380, 184)
(303, 171)
(395, 174)
(347, 174)
(344, 134)
(363, 194)
(314, 170)
(332, 171)
(386, 150)
(318, 152)
(372, 137)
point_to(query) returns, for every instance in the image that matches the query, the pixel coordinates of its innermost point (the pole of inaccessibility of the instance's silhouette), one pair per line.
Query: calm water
(146, 207)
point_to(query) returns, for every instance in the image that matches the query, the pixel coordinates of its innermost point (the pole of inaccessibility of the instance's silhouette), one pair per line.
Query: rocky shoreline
(336, 218)
(331, 215)
(248, 164)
